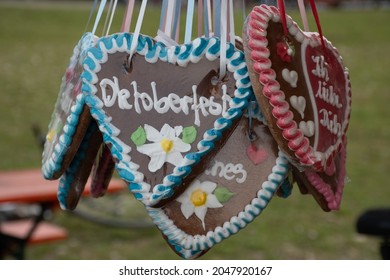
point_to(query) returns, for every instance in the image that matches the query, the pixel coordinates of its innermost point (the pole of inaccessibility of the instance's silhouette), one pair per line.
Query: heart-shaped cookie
(227, 196)
(302, 86)
(73, 180)
(327, 189)
(102, 172)
(70, 118)
(164, 110)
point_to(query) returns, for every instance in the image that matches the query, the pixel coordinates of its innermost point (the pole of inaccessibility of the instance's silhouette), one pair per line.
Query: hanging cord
(189, 21)
(163, 14)
(232, 33)
(243, 10)
(223, 60)
(98, 16)
(134, 41)
(302, 11)
(317, 19)
(200, 18)
(169, 18)
(90, 15)
(217, 17)
(128, 15)
(282, 10)
(207, 18)
(112, 13)
(109, 9)
(176, 22)
(167, 30)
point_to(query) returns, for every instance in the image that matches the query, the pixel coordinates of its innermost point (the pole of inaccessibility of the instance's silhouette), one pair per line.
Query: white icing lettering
(320, 71)
(195, 106)
(328, 95)
(229, 171)
(202, 106)
(123, 95)
(215, 108)
(160, 105)
(329, 121)
(225, 98)
(109, 100)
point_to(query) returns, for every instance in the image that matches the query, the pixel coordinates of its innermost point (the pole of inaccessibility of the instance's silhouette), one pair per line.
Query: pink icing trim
(332, 198)
(258, 20)
(297, 142)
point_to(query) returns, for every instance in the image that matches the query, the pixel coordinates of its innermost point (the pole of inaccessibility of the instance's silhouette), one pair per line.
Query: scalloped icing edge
(54, 161)
(180, 55)
(190, 246)
(333, 199)
(297, 142)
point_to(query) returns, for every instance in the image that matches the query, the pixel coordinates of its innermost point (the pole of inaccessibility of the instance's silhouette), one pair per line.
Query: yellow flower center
(166, 145)
(50, 135)
(198, 197)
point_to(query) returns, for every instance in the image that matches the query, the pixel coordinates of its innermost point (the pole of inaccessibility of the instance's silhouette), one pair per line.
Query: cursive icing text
(228, 171)
(142, 101)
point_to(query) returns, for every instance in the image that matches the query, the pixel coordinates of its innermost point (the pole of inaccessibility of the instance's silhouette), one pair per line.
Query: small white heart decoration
(307, 128)
(299, 104)
(290, 77)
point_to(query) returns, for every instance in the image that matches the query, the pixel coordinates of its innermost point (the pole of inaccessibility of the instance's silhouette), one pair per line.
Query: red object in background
(330, 3)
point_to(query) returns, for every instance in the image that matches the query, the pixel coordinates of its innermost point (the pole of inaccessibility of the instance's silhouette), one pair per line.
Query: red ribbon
(283, 15)
(282, 10)
(317, 19)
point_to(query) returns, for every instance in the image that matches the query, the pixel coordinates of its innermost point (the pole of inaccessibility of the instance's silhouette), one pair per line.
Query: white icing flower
(167, 146)
(197, 199)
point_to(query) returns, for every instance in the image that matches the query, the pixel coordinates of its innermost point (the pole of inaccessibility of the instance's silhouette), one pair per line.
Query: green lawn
(35, 46)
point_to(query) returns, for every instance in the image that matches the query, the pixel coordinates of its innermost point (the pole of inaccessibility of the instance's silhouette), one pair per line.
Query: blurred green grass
(35, 46)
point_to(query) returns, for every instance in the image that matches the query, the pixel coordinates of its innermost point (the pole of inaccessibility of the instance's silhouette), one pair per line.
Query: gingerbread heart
(164, 110)
(302, 86)
(72, 182)
(327, 189)
(70, 118)
(102, 172)
(227, 196)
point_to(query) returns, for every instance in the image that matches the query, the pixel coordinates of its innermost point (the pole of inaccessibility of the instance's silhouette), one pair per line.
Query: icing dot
(198, 197)
(166, 145)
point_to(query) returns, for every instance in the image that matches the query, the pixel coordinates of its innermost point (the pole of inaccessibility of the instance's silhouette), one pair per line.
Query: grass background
(36, 42)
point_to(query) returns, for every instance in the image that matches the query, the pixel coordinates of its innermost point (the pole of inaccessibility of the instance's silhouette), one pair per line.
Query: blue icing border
(180, 55)
(52, 159)
(66, 180)
(190, 246)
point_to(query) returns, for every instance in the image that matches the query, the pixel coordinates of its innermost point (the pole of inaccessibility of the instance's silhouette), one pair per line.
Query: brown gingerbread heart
(72, 182)
(325, 188)
(302, 86)
(70, 118)
(163, 110)
(102, 172)
(233, 190)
